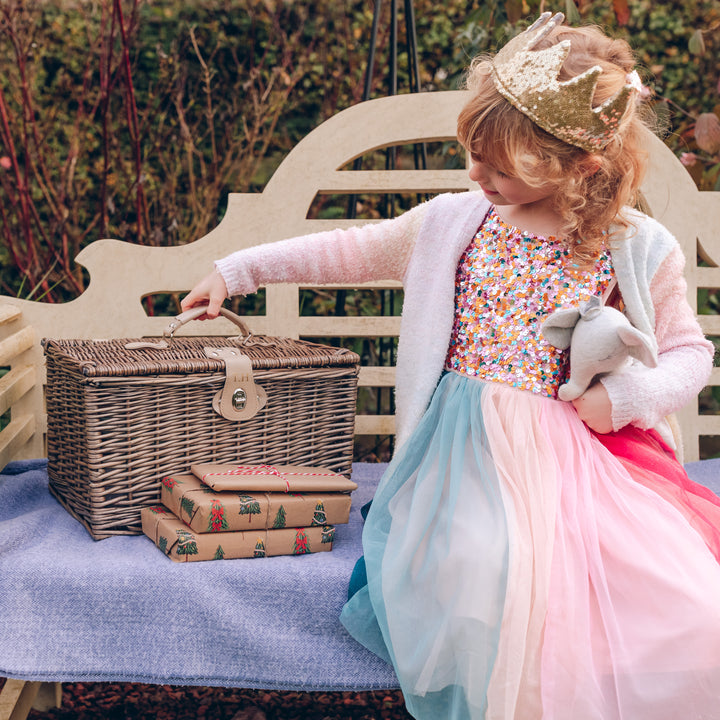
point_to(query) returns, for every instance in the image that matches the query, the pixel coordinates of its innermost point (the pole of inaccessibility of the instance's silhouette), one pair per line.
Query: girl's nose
(477, 172)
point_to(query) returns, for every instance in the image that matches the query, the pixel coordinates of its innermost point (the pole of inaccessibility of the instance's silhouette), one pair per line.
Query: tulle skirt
(522, 567)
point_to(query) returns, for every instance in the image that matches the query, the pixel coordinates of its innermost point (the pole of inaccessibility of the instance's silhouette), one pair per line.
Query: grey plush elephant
(601, 339)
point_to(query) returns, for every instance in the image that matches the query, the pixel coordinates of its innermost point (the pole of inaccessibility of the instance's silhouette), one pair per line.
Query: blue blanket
(73, 609)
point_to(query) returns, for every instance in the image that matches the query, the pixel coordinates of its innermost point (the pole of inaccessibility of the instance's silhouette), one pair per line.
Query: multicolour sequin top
(507, 283)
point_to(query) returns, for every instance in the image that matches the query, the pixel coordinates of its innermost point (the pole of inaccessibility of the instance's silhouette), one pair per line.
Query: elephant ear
(639, 345)
(558, 327)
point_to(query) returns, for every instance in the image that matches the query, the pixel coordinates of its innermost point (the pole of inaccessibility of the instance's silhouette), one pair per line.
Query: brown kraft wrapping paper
(205, 510)
(272, 478)
(181, 544)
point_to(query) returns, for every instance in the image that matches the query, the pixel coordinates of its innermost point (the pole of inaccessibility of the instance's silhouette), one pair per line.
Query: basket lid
(103, 358)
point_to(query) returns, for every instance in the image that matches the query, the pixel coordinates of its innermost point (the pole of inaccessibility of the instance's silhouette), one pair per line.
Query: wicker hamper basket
(120, 419)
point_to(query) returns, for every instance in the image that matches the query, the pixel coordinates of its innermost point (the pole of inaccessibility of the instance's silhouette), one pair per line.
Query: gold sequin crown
(528, 79)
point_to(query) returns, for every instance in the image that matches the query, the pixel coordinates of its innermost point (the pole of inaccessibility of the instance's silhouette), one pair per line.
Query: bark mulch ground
(135, 701)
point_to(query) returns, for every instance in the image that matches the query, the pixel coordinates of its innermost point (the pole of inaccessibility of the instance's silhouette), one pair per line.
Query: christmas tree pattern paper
(181, 544)
(207, 511)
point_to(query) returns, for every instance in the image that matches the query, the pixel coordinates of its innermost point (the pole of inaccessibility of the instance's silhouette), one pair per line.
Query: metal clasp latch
(239, 399)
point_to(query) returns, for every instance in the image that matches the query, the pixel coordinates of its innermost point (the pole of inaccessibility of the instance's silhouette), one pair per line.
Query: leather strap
(196, 312)
(240, 398)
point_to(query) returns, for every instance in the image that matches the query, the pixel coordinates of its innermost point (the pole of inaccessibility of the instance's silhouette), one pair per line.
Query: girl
(530, 558)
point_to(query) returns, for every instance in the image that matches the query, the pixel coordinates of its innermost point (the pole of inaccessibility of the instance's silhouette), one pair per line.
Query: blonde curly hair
(592, 187)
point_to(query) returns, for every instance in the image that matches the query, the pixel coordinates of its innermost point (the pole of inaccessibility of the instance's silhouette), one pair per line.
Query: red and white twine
(267, 470)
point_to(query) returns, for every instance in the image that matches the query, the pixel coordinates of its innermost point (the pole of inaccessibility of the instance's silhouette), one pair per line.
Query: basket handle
(196, 312)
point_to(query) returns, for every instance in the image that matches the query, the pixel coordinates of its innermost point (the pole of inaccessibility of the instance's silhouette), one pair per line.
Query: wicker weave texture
(112, 438)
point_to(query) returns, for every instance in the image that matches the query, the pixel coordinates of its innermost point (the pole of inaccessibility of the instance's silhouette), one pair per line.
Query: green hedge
(135, 119)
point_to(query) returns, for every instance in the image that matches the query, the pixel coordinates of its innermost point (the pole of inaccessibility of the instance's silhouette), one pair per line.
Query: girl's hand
(595, 409)
(210, 291)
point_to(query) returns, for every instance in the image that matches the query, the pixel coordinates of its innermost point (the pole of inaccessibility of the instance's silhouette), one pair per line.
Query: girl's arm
(377, 251)
(644, 396)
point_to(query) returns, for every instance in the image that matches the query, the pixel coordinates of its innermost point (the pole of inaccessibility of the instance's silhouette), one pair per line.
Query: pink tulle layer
(612, 609)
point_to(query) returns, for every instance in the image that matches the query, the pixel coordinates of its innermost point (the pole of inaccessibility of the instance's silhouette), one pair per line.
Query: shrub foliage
(134, 118)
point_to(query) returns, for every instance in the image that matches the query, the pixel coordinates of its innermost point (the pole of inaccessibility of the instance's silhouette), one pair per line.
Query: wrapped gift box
(271, 478)
(205, 510)
(182, 544)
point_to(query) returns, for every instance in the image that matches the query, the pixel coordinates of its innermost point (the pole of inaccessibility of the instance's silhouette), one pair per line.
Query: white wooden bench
(122, 274)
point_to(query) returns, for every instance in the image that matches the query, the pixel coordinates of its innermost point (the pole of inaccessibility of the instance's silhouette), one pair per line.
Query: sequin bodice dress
(507, 282)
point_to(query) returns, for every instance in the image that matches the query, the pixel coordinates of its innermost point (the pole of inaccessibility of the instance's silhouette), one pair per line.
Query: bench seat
(73, 609)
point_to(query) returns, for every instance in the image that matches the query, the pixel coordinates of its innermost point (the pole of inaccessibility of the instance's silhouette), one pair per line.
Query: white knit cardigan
(422, 248)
